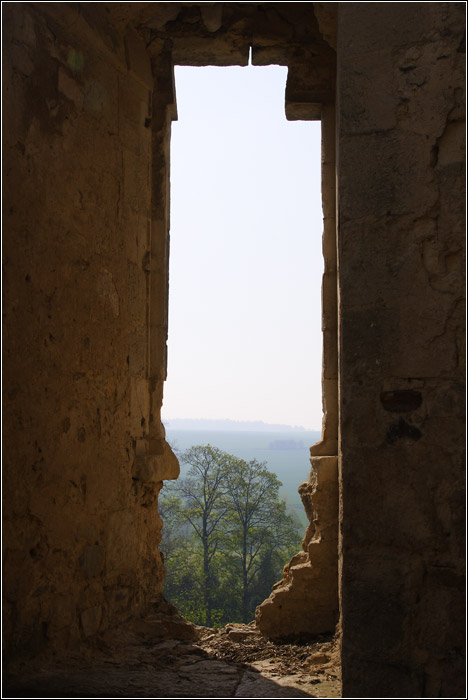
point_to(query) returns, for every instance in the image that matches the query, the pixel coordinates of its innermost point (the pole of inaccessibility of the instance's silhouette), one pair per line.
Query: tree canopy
(226, 536)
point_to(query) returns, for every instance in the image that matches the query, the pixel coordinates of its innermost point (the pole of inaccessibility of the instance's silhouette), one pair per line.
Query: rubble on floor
(188, 661)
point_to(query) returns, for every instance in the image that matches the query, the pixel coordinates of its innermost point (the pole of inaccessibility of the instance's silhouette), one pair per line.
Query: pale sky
(246, 261)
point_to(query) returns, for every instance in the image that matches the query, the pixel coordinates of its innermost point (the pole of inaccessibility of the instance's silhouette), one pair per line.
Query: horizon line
(237, 421)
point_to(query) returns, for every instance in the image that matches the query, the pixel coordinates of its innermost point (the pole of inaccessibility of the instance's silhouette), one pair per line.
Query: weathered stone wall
(81, 526)
(401, 240)
(86, 165)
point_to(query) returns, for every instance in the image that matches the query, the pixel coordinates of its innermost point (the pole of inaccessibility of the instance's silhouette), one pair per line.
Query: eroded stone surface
(305, 602)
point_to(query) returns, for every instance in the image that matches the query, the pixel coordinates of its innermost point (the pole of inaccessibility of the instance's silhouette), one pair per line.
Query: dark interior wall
(81, 526)
(401, 241)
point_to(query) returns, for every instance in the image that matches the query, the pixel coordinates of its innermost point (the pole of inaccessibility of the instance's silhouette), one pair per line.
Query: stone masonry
(88, 98)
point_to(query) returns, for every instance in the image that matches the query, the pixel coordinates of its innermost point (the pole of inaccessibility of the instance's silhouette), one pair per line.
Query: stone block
(158, 357)
(328, 191)
(136, 297)
(138, 239)
(139, 405)
(21, 59)
(91, 620)
(137, 58)
(20, 25)
(137, 350)
(212, 16)
(220, 51)
(151, 467)
(330, 354)
(92, 561)
(70, 87)
(107, 291)
(136, 182)
(119, 601)
(159, 244)
(159, 290)
(452, 144)
(317, 659)
(163, 14)
(368, 103)
(397, 167)
(364, 28)
(424, 79)
(124, 543)
(329, 301)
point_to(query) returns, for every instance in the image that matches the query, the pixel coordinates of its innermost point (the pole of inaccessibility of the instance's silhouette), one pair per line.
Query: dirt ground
(164, 657)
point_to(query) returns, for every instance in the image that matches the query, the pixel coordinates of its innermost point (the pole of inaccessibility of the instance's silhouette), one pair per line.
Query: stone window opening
(88, 104)
(261, 168)
(311, 578)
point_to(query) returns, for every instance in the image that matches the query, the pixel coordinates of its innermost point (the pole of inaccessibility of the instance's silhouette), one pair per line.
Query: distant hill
(286, 445)
(226, 424)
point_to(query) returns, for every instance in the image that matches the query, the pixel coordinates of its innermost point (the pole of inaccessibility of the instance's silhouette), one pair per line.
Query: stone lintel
(309, 87)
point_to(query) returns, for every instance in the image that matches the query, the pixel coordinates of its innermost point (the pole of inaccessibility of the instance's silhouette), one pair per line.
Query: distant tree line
(226, 536)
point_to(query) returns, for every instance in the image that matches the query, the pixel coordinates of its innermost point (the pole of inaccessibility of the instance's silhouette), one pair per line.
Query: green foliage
(226, 536)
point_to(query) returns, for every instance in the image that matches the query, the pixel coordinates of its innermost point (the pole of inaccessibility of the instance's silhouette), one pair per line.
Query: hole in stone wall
(244, 347)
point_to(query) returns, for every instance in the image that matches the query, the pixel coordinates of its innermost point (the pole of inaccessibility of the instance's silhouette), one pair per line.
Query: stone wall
(88, 99)
(81, 273)
(401, 240)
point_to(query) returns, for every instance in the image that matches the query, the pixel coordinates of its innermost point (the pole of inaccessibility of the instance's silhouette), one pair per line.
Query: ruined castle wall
(401, 232)
(86, 136)
(81, 269)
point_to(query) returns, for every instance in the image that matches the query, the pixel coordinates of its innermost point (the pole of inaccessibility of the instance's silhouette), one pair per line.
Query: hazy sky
(245, 258)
